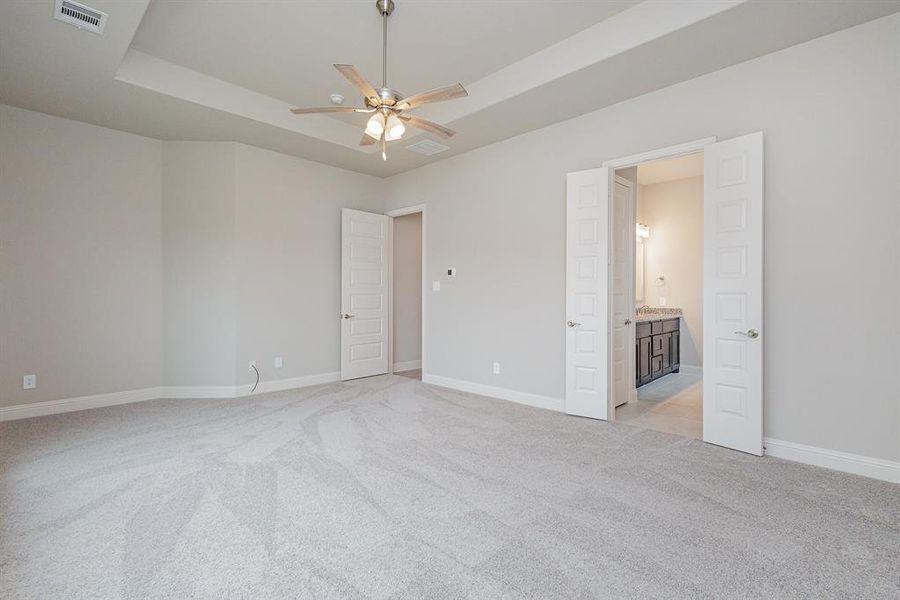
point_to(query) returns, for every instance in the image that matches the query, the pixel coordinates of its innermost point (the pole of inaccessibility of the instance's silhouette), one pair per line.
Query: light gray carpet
(390, 488)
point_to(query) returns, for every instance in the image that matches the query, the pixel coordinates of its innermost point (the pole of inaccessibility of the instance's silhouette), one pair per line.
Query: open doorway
(406, 296)
(664, 377)
(602, 345)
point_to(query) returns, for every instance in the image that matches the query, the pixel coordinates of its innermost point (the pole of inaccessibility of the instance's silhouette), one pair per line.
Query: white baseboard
(691, 370)
(496, 392)
(52, 407)
(279, 385)
(185, 392)
(857, 464)
(408, 365)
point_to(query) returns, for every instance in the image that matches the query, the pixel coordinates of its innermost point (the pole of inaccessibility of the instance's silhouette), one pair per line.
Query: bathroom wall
(674, 212)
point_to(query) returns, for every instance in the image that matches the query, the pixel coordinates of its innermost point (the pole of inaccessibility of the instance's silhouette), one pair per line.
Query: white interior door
(587, 293)
(733, 294)
(365, 279)
(622, 292)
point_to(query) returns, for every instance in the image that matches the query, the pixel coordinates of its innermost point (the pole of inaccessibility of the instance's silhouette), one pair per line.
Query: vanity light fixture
(643, 231)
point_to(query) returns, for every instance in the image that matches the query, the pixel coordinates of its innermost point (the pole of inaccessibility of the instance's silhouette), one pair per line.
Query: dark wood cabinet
(657, 349)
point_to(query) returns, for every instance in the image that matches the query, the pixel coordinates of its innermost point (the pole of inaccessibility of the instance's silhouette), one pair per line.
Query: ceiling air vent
(80, 16)
(427, 147)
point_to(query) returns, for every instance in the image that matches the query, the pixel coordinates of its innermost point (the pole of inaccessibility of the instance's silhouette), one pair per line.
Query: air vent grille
(80, 16)
(427, 147)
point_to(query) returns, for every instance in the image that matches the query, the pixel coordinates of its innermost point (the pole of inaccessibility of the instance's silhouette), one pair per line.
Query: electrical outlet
(251, 366)
(279, 362)
(29, 382)
(435, 286)
(496, 368)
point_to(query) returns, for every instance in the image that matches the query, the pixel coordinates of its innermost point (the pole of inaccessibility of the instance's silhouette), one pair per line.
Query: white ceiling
(286, 49)
(213, 70)
(671, 169)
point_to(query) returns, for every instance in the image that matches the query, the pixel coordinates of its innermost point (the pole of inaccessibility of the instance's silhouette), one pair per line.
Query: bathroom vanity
(657, 345)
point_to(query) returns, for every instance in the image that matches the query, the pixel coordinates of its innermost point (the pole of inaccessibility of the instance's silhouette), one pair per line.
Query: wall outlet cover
(29, 382)
(279, 362)
(435, 286)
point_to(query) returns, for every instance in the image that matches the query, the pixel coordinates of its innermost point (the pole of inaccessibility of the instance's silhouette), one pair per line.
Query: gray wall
(408, 288)
(829, 110)
(80, 258)
(199, 254)
(288, 260)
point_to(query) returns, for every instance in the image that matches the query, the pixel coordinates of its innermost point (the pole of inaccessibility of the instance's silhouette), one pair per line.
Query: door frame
(630, 366)
(635, 160)
(401, 212)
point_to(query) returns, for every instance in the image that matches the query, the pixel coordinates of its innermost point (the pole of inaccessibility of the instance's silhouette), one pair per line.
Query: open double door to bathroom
(597, 335)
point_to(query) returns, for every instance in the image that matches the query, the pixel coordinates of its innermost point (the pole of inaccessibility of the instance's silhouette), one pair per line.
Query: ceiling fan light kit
(388, 107)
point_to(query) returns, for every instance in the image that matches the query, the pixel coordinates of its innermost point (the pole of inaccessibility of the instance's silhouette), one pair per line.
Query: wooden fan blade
(367, 140)
(429, 126)
(327, 109)
(360, 82)
(437, 95)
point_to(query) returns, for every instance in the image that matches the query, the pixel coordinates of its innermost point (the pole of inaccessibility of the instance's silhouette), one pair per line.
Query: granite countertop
(647, 314)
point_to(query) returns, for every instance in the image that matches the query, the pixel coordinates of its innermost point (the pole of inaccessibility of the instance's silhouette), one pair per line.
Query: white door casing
(622, 302)
(587, 293)
(733, 294)
(365, 285)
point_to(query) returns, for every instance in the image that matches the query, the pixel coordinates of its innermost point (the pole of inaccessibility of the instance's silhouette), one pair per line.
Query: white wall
(80, 258)
(829, 112)
(288, 260)
(408, 288)
(129, 263)
(674, 212)
(199, 254)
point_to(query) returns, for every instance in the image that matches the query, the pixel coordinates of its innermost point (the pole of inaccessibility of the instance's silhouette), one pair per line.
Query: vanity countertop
(656, 314)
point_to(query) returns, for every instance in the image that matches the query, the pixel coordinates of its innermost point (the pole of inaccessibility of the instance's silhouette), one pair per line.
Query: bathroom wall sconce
(643, 231)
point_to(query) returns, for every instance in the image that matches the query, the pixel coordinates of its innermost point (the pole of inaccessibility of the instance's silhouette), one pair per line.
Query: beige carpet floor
(391, 488)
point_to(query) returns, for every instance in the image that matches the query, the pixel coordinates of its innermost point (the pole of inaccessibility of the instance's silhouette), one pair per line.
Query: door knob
(750, 333)
(348, 316)
(627, 321)
(573, 323)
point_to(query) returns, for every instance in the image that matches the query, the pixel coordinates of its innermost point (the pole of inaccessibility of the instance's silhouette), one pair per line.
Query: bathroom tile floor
(413, 374)
(673, 404)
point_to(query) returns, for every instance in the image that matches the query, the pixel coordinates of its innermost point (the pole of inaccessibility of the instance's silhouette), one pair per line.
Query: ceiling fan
(388, 107)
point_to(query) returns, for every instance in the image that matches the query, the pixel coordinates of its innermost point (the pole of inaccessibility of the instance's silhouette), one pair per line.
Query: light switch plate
(496, 368)
(435, 286)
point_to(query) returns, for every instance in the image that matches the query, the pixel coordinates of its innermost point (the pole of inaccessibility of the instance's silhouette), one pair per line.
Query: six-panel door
(733, 293)
(365, 274)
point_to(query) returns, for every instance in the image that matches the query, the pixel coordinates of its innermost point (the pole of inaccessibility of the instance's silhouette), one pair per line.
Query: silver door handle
(750, 333)
(573, 323)
(348, 316)
(627, 321)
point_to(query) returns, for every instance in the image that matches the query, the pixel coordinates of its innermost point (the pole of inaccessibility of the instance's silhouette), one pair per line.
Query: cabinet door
(656, 369)
(666, 352)
(675, 351)
(644, 373)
